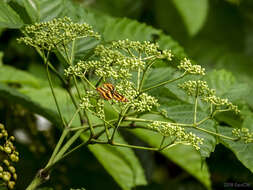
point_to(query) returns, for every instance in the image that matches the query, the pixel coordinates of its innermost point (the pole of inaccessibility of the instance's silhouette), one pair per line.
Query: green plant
(125, 64)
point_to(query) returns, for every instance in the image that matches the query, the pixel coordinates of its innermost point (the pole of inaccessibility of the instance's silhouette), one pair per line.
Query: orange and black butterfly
(108, 92)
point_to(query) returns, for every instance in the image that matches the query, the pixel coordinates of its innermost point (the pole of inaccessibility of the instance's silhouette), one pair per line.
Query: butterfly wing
(106, 94)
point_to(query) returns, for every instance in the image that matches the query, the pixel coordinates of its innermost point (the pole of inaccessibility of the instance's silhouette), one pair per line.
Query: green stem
(161, 144)
(52, 89)
(195, 107)
(65, 148)
(216, 134)
(91, 85)
(163, 83)
(75, 104)
(118, 123)
(64, 134)
(150, 121)
(133, 146)
(144, 73)
(37, 181)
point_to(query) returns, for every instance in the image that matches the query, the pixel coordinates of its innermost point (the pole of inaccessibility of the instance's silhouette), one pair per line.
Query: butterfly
(108, 92)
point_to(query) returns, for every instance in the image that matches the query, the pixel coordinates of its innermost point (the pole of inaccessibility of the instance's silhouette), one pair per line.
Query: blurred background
(217, 34)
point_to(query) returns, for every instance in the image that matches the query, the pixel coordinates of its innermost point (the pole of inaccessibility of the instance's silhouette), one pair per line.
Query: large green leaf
(8, 17)
(184, 114)
(193, 12)
(185, 156)
(44, 97)
(241, 150)
(121, 163)
(43, 10)
(13, 96)
(123, 28)
(11, 75)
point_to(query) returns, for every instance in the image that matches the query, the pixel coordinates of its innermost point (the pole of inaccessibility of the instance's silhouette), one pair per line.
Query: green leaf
(184, 114)
(44, 10)
(13, 96)
(184, 156)
(193, 13)
(166, 42)
(121, 163)
(242, 151)
(124, 28)
(220, 80)
(44, 97)
(11, 75)
(32, 9)
(8, 17)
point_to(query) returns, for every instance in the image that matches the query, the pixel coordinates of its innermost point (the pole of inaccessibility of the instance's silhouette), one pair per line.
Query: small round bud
(1, 148)
(15, 176)
(12, 138)
(6, 162)
(5, 133)
(7, 149)
(11, 184)
(1, 126)
(12, 169)
(1, 135)
(13, 157)
(6, 176)
(1, 169)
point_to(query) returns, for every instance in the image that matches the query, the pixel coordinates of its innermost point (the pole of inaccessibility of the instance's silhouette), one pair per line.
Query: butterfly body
(108, 92)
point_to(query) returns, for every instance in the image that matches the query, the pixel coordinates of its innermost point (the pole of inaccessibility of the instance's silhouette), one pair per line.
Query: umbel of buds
(58, 32)
(243, 134)
(9, 155)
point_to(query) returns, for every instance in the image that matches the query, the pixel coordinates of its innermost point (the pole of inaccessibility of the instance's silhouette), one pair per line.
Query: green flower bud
(6, 176)
(12, 169)
(7, 149)
(11, 184)
(6, 162)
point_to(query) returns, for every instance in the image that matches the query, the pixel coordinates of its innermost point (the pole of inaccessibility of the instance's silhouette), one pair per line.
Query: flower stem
(163, 83)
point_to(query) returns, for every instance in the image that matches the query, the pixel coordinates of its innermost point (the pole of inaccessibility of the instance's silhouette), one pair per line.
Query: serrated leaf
(8, 17)
(166, 42)
(121, 163)
(193, 13)
(220, 80)
(123, 28)
(184, 114)
(11, 75)
(184, 156)
(242, 151)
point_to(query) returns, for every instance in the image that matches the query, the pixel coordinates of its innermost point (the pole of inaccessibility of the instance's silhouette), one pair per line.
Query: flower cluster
(117, 62)
(200, 88)
(191, 69)
(222, 102)
(144, 102)
(58, 32)
(173, 130)
(146, 48)
(119, 59)
(8, 171)
(243, 134)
